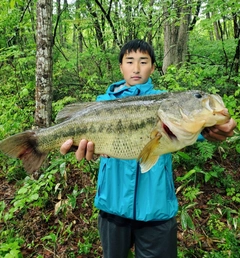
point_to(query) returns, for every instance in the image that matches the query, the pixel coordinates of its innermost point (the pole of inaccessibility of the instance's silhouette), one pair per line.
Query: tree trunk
(107, 15)
(128, 12)
(210, 31)
(176, 35)
(216, 30)
(43, 94)
(150, 22)
(96, 24)
(236, 59)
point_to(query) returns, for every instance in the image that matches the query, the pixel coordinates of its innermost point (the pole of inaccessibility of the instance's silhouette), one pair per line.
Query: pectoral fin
(155, 133)
(147, 158)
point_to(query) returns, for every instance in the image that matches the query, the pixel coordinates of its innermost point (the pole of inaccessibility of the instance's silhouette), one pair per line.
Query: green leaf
(33, 197)
(186, 221)
(12, 4)
(187, 175)
(184, 155)
(130, 254)
(238, 148)
(207, 177)
(22, 190)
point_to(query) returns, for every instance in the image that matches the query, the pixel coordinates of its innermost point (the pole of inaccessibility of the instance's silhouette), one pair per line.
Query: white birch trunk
(43, 94)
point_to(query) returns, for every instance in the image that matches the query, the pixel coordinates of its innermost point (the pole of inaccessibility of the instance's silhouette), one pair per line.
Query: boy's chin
(133, 83)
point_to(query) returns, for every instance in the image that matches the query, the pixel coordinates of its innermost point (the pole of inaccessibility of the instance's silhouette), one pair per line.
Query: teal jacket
(123, 190)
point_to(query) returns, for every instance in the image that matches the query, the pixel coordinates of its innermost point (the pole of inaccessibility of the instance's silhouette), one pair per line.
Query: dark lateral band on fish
(142, 127)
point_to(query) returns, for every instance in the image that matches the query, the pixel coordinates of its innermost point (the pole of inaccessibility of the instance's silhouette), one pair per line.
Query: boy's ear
(153, 68)
(120, 66)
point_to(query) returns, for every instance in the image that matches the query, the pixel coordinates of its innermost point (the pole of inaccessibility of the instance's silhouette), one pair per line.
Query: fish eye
(198, 95)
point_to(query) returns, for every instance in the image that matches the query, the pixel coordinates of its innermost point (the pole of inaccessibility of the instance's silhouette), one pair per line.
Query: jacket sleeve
(200, 138)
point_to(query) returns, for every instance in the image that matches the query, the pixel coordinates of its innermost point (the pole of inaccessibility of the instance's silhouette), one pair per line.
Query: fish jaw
(174, 139)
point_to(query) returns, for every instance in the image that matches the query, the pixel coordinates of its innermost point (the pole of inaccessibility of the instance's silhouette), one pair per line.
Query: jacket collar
(125, 91)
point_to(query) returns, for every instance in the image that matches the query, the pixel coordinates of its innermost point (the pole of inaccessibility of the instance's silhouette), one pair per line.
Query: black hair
(134, 45)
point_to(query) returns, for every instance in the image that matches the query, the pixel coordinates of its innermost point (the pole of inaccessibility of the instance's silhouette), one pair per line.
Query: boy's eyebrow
(142, 57)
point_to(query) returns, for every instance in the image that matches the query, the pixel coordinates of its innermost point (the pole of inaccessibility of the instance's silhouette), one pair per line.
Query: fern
(206, 150)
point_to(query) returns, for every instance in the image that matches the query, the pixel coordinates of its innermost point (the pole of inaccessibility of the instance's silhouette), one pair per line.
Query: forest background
(57, 52)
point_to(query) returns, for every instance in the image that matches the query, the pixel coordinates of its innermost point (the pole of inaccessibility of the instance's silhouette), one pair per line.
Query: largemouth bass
(142, 127)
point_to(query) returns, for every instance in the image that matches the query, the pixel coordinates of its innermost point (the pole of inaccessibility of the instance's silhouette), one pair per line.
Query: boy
(137, 208)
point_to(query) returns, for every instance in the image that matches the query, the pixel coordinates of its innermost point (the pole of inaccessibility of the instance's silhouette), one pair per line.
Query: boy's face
(136, 67)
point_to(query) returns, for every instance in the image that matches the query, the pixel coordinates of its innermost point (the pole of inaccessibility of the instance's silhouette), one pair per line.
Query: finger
(227, 128)
(66, 146)
(211, 135)
(220, 132)
(81, 151)
(90, 151)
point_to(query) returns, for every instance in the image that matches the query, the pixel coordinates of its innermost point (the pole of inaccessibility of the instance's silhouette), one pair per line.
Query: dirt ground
(73, 232)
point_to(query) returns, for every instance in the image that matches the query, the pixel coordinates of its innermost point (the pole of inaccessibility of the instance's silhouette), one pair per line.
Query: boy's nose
(136, 68)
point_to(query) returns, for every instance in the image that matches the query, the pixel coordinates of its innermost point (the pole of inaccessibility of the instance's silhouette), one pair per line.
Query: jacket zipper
(135, 193)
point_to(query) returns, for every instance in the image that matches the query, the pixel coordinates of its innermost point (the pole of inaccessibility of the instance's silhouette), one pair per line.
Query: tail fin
(24, 147)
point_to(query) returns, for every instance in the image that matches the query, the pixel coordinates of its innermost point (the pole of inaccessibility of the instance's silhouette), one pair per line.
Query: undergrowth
(52, 215)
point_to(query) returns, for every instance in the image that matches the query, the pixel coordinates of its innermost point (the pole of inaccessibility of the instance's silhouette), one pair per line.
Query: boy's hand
(220, 132)
(85, 149)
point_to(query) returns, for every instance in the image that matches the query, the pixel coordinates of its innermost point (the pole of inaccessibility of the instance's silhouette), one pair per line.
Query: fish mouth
(170, 134)
(216, 106)
(223, 112)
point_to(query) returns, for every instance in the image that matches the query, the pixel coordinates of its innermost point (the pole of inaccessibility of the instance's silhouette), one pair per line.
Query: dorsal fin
(70, 110)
